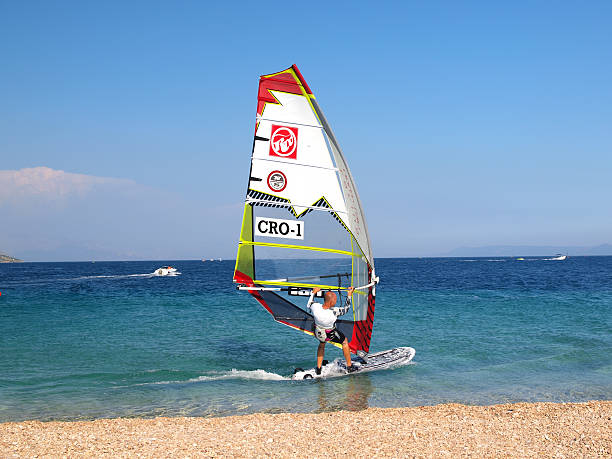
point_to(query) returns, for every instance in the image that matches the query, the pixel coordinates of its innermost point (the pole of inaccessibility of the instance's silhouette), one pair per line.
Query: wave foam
(261, 375)
(116, 276)
(242, 374)
(125, 276)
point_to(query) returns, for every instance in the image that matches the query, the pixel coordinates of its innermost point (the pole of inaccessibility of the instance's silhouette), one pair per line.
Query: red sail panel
(289, 81)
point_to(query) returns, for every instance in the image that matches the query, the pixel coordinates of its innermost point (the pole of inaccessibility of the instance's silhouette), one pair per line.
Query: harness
(321, 333)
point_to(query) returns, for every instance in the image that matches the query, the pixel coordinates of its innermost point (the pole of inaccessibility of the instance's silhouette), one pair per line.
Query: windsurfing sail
(303, 225)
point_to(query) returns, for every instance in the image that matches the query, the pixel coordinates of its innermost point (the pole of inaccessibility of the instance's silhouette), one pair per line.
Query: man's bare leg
(347, 353)
(320, 354)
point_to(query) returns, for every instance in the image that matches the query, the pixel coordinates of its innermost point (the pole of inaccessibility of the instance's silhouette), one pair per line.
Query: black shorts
(335, 336)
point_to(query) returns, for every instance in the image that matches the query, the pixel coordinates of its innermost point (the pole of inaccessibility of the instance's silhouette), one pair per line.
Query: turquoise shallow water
(91, 340)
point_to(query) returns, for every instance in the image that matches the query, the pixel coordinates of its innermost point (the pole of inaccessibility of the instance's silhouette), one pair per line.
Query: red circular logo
(277, 181)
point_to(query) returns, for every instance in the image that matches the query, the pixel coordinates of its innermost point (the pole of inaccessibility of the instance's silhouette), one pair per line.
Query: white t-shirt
(326, 318)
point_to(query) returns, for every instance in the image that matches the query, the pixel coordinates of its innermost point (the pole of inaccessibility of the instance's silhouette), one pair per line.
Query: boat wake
(127, 276)
(491, 259)
(260, 375)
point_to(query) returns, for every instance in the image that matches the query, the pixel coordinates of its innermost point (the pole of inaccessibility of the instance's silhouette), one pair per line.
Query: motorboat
(166, 271)
(559, 257)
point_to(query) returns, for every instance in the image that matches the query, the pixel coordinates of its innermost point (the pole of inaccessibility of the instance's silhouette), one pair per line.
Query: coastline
(507, 430)
(7, 259)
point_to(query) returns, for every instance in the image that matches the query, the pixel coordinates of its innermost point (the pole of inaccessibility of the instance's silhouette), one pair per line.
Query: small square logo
(283, 141)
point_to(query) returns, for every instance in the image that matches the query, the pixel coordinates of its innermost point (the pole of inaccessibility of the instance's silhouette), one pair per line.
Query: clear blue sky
(464, 123)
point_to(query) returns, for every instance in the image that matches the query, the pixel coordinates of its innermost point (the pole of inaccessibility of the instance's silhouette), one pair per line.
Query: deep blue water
(77, 345)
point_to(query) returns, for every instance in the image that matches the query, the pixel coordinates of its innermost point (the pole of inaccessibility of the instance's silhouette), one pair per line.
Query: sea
(110, 339)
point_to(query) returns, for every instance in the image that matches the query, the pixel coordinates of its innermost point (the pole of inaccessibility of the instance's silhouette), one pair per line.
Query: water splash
(259, 374)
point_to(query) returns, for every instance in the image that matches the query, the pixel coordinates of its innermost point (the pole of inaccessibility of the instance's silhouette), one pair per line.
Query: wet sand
(512, 430)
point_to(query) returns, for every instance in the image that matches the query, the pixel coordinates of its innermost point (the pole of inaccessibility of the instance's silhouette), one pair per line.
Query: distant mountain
(8, 259)
(528, 250)
(603, 249)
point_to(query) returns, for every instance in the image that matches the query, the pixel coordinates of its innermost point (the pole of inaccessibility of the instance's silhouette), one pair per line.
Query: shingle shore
(512, 430)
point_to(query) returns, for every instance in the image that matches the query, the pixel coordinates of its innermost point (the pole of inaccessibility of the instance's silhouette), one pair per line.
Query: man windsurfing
(325, 316)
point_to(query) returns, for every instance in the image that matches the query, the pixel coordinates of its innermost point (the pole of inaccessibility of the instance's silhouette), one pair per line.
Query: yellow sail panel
(245, 260)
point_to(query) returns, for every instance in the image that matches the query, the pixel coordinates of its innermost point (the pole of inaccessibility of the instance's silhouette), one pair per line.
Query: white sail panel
(357, 221)
(294, 162)
(291, 108)
(310, 147)
(302, 186)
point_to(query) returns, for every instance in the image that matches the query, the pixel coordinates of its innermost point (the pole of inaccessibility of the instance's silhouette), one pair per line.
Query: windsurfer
(325, 316)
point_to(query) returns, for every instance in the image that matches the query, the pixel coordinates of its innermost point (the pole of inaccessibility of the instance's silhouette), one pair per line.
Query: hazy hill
(528, 250)
(8, 259)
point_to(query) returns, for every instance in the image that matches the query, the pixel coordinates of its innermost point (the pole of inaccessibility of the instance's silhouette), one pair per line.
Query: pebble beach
(449, 430)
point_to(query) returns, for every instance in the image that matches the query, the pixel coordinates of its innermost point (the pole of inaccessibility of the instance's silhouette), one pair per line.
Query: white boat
(559, 257)
(166, 271)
